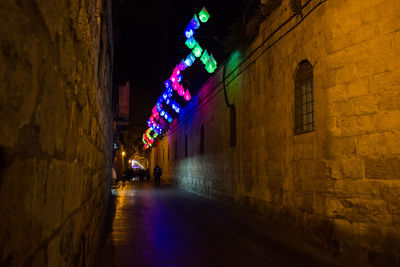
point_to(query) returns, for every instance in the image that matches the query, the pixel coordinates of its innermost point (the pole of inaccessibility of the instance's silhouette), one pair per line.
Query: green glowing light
(197, 50)
(190, 43)
(204, 15)
(234, 60)
(148, 134)
(213, 60)
(204, 58)
(211, 68)
(211, 64)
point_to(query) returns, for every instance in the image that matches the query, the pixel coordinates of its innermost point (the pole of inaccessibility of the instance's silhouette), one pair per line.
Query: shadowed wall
(55, 133)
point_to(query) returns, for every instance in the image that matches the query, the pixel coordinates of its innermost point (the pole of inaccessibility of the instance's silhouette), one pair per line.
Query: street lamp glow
(123, 153)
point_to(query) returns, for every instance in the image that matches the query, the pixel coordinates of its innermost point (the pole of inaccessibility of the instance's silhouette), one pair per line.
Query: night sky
(149, 42)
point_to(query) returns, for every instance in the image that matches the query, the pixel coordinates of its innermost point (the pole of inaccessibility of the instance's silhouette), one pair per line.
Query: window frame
(304, 104)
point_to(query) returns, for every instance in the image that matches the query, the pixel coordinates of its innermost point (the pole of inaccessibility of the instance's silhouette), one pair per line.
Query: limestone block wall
(338, 185)
(55, 130)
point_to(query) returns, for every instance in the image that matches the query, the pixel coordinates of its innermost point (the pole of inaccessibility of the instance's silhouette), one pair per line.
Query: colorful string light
(159, 118)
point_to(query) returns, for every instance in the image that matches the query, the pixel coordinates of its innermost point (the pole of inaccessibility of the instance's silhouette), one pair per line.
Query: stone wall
(339, 185)
(55, 133)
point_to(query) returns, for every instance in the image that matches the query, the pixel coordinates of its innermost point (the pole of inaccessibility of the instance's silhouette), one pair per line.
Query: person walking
(157, 175)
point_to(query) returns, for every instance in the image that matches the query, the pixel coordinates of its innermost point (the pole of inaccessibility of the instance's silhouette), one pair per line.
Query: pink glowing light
(175, 86)
(187, 95)
(154, 111)
(173, 78)
(181, 90)
(176, 71)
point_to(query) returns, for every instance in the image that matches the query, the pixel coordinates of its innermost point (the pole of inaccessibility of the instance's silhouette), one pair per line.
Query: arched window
(304, 98)
(202, 139)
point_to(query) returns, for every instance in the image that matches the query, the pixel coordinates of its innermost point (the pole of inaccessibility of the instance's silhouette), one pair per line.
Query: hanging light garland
(160, 117)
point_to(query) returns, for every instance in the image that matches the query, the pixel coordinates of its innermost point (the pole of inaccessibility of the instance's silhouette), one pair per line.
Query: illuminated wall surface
(340, 184)
(55, 133)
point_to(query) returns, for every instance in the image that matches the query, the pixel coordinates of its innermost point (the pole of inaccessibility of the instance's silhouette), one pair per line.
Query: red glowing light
(147, 139)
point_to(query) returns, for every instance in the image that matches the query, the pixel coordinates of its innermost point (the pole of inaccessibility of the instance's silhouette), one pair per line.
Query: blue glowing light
(182, 65)
(167, 84)
(160, 116)
(194, 22)
(190, 43)
(189, 32)
(190, 59)
(175, 106)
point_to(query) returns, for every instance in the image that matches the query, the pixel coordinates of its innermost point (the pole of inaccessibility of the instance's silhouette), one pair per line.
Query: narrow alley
(273, 127)
(165, 226)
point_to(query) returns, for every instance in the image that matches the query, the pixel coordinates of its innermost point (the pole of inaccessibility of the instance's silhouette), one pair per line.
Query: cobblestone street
(168, 227)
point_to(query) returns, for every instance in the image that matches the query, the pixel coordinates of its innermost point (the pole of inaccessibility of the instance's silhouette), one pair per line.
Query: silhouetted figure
(123, 179)
(141, 174)
(157, 175)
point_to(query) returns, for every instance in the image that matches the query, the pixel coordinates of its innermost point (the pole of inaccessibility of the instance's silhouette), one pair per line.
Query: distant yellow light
(123, 153)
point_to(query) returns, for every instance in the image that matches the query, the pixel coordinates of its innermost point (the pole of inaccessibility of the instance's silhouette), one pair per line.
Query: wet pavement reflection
(165, 226)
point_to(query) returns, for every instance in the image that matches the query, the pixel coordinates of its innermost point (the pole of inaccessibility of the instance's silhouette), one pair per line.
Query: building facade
(308, 133)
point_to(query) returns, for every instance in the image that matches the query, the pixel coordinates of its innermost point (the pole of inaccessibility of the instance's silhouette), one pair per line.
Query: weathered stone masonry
(340, 184)
(55, 139)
